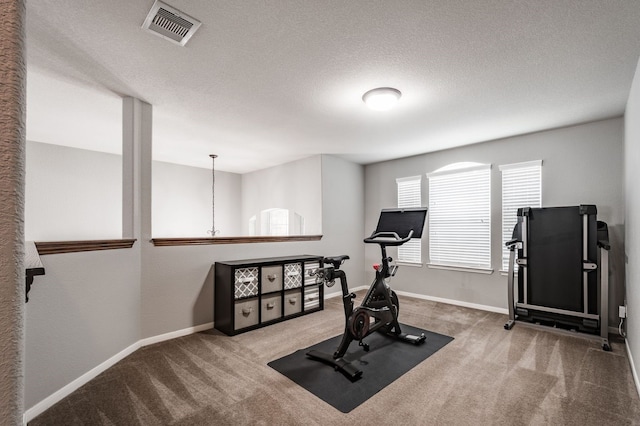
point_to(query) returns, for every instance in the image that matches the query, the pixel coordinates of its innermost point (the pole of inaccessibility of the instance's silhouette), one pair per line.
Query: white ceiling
(267, 82)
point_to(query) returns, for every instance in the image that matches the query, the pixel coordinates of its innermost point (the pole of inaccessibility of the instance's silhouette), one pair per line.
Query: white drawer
(246, 282)
(292, 275)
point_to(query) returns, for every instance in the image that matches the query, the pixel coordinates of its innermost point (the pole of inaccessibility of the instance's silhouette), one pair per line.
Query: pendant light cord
(213, 231)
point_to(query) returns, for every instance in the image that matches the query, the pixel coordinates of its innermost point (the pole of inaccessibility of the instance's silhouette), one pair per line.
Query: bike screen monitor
(402, 221)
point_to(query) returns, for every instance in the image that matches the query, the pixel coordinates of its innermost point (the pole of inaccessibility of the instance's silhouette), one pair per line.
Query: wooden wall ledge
(165, 242)
(57, 247)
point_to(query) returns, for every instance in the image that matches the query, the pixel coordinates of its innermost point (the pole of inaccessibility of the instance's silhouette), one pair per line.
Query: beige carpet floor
(486, 376)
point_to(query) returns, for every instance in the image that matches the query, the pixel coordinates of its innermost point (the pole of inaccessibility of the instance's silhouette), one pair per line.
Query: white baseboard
(505, 311)
(455, 302)
(339, 293)
(634, 372)
(431, 298)
(612, 330)
(66, 390)
(175, 334)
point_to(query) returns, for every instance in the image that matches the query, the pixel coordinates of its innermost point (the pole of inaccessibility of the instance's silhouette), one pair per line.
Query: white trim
(455, 302)
(634, 372)
(460, 268)
(66, 390)
(175, 334)
(524, 164)
(339, 293)
(409, 179)
(413, 264)
(464, 169)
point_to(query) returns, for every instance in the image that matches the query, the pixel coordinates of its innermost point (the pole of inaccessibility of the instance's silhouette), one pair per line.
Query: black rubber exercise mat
(386, 360)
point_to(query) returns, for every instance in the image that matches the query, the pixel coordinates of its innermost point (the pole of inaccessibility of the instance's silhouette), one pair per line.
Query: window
(409, 195)
(521, 187)
(275, 222)
(460, 216)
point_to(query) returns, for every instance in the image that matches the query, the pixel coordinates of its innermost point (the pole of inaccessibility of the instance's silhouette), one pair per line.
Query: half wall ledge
(58, 247)
(166, 242)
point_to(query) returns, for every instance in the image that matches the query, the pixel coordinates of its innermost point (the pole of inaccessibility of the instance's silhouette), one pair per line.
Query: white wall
(181, 198)
(581, 165)
(293, 186)
(83, 311)
(72, 194)
(632, 218)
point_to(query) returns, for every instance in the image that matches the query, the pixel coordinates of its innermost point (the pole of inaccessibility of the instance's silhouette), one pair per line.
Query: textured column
(12, 160)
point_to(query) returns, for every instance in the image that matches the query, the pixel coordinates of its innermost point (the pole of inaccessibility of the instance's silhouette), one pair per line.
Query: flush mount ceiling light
(382, 98)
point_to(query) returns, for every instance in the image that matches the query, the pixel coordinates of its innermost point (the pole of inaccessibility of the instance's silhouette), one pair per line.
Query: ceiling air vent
(169, 23)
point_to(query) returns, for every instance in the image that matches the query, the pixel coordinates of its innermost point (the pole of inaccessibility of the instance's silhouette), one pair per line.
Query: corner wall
(632, 219)
(286, 186)
(181, 195)
(177, 283)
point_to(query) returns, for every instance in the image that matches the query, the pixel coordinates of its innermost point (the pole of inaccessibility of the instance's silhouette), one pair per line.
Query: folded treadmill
(560, 256)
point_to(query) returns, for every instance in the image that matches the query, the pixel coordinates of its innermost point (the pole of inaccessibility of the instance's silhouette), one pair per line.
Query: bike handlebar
(388, 238)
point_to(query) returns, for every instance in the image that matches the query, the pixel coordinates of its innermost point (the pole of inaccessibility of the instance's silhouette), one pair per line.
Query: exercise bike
(380, 306)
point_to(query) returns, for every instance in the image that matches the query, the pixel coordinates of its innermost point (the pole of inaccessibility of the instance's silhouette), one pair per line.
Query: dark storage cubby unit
(253, 293)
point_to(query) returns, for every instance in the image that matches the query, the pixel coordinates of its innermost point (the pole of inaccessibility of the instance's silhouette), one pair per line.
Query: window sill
(415, 265)
(59, 247)
(167, 242)
(461, 269)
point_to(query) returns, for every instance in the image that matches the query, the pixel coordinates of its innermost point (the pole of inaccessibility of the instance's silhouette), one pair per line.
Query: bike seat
(336, 261)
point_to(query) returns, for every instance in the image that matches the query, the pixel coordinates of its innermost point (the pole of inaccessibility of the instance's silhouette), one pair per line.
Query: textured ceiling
(266, 82)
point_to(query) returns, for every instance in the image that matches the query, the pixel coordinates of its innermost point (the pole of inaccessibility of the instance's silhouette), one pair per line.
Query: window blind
(460, 217)
(521, 187)
(410, 195)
